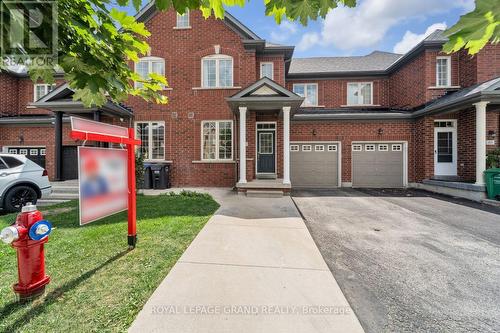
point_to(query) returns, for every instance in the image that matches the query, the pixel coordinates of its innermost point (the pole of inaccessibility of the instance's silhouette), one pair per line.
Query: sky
(385, 25)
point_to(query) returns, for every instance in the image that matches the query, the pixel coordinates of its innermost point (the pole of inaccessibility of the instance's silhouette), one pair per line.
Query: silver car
(21, 181)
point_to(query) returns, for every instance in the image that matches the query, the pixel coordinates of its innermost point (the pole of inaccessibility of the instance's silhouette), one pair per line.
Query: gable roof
(376, 61)
(61, 99)
(265, 94)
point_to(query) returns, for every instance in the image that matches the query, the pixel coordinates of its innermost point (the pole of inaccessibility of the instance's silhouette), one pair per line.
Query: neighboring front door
(266, 155)
(445, 148)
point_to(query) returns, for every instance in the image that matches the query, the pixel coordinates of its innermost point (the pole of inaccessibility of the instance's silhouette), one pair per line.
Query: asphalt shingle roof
(375, 61)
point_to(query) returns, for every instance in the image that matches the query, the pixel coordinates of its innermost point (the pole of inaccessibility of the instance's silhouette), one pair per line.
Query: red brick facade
(409, 86)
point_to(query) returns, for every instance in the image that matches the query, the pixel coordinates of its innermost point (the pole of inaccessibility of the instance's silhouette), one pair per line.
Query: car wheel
(19, 196)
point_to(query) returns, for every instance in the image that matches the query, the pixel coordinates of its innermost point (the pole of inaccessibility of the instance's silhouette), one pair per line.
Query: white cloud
(367, 24)
(308, 40)
(283, 32)
(410, 39)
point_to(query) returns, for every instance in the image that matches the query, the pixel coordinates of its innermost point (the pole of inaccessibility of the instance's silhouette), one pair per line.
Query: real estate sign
(103, 188)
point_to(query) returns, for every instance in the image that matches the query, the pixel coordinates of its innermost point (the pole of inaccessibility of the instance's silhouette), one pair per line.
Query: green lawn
(97, 285)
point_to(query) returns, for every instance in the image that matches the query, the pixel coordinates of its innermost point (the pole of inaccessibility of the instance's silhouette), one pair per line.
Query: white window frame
(309, 148)
(35, 152)
(360, 99)
(294, 147)
(217, 142)
(357, 147)
(448, 69)
(150, 61)
(319, 148)
(370, 147)
(183, 16)
(383, 147)
(12, 151)
(272, 68)
(217, 58)
(25, 150)
(36, 85)
(305, 93)
(150, 138)
(332, 147)
(397, 147)
(42, 152)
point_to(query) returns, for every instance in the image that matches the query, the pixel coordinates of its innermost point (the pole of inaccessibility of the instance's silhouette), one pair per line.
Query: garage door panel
(315, 168)
(377, 168)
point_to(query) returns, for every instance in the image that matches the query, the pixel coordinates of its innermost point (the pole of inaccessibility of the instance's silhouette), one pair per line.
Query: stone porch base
(457, 189)
(264, 188)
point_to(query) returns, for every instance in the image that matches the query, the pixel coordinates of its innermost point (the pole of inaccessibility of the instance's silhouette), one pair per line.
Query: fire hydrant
(28, 235)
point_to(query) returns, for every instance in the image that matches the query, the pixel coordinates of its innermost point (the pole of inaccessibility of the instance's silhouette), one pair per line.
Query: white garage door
(314, 164)
(377, 165)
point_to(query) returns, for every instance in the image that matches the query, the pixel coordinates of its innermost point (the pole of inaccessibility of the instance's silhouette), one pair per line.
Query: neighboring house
(236, 101)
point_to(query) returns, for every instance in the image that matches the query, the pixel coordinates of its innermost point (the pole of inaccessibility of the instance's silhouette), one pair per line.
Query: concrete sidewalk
(253, 268)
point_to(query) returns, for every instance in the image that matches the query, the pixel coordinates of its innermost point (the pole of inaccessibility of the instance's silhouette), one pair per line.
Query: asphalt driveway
(409, 261)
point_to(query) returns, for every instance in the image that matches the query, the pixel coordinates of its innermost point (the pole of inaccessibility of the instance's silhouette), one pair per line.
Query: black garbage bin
(148, 177)
(160, 175)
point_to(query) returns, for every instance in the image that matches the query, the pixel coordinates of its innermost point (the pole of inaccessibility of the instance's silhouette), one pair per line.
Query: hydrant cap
(28, 208)
(9, 234)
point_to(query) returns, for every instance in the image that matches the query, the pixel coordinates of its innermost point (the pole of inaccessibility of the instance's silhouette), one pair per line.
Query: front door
(445, 148)
(266, 154)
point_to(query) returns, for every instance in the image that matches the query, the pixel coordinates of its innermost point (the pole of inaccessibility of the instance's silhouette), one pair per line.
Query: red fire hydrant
(28, 235)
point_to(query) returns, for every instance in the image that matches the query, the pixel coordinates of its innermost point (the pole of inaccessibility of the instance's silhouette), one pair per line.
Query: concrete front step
(264, 193)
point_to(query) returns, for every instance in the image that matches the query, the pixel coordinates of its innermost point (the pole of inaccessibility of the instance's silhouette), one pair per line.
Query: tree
(96, 43)
(475, 29)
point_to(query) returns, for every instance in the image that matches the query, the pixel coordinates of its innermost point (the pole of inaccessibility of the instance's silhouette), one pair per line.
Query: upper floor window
(42, 90)
(266, 70)
(309, 91)
(152, 136)
(217, 71)
(148, 65)
(443, 71)
(360, 93)
(217, 140)
(183, 20)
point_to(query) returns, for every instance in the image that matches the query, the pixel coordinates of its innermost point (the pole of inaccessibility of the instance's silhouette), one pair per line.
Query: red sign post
(88, 130)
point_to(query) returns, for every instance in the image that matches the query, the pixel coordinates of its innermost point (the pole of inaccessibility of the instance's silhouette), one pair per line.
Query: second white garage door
(378, 165)
(314, 164)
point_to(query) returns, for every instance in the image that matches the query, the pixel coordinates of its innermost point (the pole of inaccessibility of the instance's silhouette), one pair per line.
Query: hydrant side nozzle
(9, 234)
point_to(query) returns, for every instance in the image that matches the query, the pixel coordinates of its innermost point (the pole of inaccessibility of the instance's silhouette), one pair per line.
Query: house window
(294, 147)
(42, 90)
(12, 151)
(306, 148)
(217, 71)
(360, 93)
(332, 147)
(267, 70)
(152, 136)
(357, 147)
(217, 140)
(383, 147)
(183, 20)
(443, 71)
(34, 152)
(319, 148)
(23, 151)
(309, 91)
(42, 152)
(149, 65)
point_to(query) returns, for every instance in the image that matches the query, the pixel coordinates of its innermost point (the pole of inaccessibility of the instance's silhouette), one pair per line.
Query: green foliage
(139, 169)
(475, 29)
(493, 158)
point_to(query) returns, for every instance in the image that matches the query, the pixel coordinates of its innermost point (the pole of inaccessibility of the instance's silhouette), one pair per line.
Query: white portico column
(480, 141)
(243, 144)
(286, 145)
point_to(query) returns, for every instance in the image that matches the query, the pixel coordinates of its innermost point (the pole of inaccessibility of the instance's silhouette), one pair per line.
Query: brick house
(422, 119)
